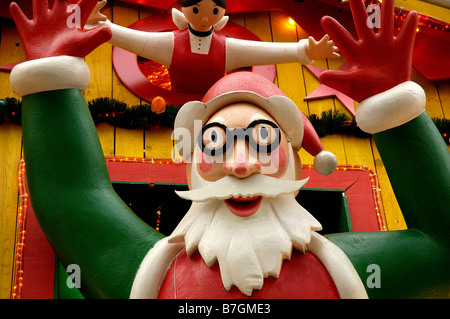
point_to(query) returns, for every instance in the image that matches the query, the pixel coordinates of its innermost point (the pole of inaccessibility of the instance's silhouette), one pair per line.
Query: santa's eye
(215, 11)
(195, 10)
(264, 134)
(214, 140)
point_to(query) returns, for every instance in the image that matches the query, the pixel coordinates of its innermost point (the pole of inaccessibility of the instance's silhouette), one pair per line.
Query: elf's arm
(244, 53)
(155, 46)
(82, 217)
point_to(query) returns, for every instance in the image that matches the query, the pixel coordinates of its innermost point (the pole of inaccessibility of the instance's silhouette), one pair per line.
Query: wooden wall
(294, 80)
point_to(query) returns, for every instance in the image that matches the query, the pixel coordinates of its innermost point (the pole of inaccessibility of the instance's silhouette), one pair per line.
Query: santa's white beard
(248, 249)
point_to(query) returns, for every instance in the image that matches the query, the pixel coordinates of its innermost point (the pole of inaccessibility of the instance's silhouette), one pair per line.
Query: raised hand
(96, 16)
(58, 30)
(322, 49)
(379, 61)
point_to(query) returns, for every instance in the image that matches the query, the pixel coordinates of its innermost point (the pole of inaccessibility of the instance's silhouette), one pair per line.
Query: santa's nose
(205, 19)
(241, 163)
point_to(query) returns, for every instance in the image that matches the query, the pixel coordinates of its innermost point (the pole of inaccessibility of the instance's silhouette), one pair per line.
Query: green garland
(335, 122)
(114, 112)
(117, 113)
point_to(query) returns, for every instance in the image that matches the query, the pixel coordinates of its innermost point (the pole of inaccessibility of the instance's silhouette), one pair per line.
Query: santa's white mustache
(230, 186)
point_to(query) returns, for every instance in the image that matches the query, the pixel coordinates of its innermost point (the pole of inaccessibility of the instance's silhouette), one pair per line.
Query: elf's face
(203, 15)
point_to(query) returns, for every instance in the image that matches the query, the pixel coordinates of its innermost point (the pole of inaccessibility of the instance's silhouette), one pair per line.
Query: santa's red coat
(301, 277)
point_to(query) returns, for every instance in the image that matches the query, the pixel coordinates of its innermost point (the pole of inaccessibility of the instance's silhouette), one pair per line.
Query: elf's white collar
(182, 23)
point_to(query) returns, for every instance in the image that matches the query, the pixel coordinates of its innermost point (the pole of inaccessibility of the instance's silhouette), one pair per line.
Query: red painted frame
(35, 260)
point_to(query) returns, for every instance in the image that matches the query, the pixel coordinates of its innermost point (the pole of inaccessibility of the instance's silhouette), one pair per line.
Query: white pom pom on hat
(325, 162)
(250, 87)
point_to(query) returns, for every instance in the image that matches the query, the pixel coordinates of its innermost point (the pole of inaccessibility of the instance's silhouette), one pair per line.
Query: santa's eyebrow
(258, 117)
(218, 119)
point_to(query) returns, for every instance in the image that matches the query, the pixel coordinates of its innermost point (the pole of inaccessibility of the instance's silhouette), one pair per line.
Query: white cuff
(303, 57)
(48, 74)
(391, 108)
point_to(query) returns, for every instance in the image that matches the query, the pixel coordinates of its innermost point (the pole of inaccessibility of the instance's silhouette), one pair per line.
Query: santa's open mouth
(244, 207)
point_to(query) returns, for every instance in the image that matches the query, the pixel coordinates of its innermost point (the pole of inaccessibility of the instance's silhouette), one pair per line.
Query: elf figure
(244, 236)
(197, 56)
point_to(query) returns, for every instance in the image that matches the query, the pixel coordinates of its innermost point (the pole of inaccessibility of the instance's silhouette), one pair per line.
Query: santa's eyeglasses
(262, 135)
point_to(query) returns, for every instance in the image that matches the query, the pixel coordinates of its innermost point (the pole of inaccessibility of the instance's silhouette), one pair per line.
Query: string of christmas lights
(376, 190)
(20, 232)
(158, 217)
(425, 22)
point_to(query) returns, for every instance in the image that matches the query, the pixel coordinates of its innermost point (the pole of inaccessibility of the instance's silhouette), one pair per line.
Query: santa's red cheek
(279, 158)
(205, 164)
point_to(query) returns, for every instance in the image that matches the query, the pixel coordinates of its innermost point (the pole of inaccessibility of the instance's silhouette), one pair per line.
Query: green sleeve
(413, 263)
(417, 161)
(410, 263)
(82, 217)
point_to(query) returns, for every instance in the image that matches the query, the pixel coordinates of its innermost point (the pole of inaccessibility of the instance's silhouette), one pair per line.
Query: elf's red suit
(184, 62)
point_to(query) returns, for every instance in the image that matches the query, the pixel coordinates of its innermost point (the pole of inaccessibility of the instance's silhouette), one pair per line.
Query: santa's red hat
(249, 87)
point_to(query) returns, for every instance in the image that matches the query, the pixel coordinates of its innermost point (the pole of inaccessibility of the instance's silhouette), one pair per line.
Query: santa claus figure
(245, 235)
(244, 173)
